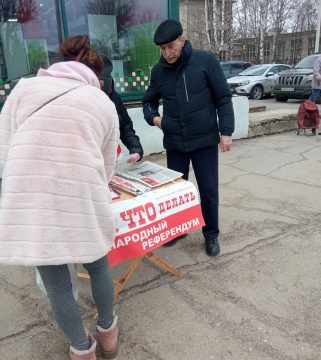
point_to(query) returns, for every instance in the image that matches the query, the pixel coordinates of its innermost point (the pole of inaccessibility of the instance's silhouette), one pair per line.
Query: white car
(256, 81)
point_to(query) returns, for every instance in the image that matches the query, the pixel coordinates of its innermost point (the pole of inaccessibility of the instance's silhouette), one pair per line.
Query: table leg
(119, 284)
(161, 263)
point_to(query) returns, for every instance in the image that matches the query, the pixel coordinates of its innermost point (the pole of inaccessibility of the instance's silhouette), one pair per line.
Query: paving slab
(259, 300)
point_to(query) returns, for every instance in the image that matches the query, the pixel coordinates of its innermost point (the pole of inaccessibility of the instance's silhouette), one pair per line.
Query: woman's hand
(132, 158)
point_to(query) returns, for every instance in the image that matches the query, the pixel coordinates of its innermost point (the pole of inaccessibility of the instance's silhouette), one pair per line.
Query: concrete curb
(272, 125)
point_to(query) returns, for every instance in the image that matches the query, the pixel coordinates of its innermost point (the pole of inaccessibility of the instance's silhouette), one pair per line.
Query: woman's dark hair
(78, 48)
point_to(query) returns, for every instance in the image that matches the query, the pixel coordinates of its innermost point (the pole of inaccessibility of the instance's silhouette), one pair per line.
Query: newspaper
(130, 186)
(147, 173)
(115, 195)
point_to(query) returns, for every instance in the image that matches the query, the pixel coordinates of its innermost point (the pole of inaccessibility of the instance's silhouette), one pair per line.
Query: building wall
(292, 48)
(192, 17)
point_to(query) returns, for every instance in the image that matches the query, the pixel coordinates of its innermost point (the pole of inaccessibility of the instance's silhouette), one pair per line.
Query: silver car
(256, 81)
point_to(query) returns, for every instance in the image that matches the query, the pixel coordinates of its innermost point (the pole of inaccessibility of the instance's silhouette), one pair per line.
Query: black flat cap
(167, 31)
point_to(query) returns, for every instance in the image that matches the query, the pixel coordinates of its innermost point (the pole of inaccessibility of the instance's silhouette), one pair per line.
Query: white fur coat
(56, 164)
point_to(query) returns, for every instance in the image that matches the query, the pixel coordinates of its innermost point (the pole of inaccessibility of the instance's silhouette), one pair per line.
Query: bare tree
(229, 34)
(280, 11)
(211, 17)
(303, 19)
(27, 11)
(218, 18)
(241, 24)
(257, 19)
(224, 27)
(108, 7)
(105, 43)
(100, 7)
(304, 16)
(249, 23)
(263, 13)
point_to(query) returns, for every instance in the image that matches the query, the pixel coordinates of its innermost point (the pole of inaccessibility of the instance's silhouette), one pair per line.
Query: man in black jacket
(197, 116)
(126, 129)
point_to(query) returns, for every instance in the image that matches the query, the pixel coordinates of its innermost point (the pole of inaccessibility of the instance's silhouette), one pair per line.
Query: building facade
(290, 48)
(32, 30)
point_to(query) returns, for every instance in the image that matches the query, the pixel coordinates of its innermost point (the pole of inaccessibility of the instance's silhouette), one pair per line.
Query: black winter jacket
(194, 93)
(127, 133)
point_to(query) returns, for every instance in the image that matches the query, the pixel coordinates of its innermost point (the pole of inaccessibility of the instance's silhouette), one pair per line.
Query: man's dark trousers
(205, 165)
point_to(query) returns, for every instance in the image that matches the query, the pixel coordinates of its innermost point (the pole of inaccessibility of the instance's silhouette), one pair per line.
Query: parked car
(295, 83)
(234, 67)
(256, 81)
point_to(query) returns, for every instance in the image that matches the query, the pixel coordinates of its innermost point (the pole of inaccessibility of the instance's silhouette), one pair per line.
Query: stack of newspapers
(141, 177)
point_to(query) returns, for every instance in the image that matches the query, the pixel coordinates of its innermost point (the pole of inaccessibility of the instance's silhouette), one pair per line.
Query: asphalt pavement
(259, 300)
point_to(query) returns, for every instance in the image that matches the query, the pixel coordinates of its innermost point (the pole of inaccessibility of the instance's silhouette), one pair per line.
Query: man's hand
(132, 158)
(157, 120)
(225, 143)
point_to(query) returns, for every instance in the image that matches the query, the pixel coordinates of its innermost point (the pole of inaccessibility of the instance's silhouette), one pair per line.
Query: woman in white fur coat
(58, 140)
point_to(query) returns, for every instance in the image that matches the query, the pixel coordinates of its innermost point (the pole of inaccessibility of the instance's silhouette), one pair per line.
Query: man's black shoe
(174, 241)
(212, 247)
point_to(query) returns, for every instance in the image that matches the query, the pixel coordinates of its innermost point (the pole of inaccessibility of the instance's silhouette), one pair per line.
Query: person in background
(194, 92)
(127, 133)
(316, 83)
(58, 140)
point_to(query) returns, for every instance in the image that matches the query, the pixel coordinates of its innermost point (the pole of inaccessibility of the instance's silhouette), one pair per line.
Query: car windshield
(225, 67)
(255, 70)
(306, 63)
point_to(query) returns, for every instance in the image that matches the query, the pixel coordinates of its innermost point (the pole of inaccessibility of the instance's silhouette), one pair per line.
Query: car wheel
(256, 92)
(281, 99)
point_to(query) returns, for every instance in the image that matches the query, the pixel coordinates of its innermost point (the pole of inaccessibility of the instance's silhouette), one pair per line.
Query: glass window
(122, 30)
(236, 67)
(255, 70)
(311, 46)
(296, 49)
(266, 51)
(251, 53)
(284, 67)
(29, 37)
(306, 63)
(280, 57)
(246, 65)
(274, 69)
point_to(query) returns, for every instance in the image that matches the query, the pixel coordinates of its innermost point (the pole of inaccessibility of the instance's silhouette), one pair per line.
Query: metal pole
(317, 36)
